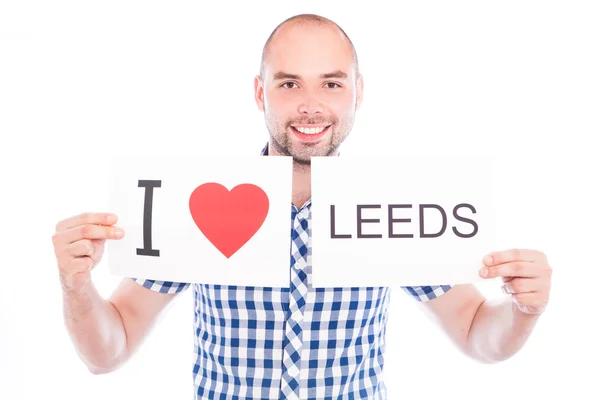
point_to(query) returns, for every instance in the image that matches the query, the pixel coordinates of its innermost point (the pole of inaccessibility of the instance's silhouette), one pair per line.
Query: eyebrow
(336, 74)
(284, 75)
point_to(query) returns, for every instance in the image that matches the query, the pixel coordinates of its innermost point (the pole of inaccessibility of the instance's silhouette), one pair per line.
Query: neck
(300, 184)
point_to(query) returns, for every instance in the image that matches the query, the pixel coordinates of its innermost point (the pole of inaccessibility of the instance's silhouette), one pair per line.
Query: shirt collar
(265, 150)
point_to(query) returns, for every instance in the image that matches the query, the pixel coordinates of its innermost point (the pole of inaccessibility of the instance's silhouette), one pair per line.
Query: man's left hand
(526, 276)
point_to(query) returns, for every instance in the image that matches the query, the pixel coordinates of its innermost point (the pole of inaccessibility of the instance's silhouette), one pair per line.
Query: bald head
(309, 88)
(305, 21)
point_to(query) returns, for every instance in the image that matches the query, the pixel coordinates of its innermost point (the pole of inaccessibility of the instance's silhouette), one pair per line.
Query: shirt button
(300, 264)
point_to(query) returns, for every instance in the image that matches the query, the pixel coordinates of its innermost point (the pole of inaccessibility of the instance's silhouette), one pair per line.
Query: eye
(288, 85)
(332, 85)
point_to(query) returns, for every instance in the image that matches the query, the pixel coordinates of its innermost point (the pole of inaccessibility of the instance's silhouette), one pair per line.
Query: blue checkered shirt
(290, 343)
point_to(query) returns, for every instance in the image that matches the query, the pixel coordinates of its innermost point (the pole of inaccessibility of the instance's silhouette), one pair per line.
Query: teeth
(310, 131)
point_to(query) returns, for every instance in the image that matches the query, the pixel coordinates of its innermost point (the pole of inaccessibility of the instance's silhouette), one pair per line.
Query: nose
(310, 105)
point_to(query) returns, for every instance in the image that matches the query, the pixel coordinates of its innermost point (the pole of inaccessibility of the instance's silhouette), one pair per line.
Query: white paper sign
(203, 219)
(406, 221)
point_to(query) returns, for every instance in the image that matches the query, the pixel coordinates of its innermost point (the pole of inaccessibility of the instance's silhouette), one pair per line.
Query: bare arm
(487, 330)
(499, 330)
(105, 332)
(454, 312)
(490, 330)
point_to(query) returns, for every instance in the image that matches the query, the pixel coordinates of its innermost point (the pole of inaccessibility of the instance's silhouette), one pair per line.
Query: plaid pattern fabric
(293, 343)
(290, 343)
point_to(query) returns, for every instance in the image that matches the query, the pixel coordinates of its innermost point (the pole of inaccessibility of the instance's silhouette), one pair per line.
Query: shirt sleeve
(162, 286)
(426, 293)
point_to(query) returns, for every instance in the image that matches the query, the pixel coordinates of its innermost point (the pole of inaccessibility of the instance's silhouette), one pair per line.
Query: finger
(521, 269)
(522, 285)
(80, 264)
(512, 255)
(78, 269)
(85, 219)
(81, 248)
(72, 235)
(529, 299)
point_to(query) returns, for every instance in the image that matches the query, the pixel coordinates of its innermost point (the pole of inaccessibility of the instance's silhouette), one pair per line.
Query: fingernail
(484, 272)
(119, 233)
(488, 260)
(111, 218)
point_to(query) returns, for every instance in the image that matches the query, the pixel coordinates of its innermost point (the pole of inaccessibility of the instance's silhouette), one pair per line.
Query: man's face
(310, 92)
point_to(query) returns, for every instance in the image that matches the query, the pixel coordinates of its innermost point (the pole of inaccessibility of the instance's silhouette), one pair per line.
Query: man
(296, 342)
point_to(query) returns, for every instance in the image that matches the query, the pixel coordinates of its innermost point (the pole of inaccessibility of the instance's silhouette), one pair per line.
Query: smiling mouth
(310, 130)
(310, 134)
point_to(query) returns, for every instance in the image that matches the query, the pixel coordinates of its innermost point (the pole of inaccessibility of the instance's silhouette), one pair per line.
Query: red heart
(228, 219)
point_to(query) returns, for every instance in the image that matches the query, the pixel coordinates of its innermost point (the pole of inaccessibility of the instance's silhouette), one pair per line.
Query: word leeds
(393, 221)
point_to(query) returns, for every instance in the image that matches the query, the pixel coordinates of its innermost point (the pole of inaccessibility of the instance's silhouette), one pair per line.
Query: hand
(526, 276)
(79, 245)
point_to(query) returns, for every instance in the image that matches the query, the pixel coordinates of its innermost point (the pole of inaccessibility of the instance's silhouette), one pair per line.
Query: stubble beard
(301, 153)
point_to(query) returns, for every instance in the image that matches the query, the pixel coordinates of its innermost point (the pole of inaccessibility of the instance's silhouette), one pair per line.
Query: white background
(80, 81)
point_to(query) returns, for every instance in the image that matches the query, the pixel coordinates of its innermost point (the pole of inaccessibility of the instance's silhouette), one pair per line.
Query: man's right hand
(79, 245)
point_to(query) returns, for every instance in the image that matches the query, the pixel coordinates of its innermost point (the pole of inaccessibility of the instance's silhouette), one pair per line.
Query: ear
(259, 93)
(359, 91)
